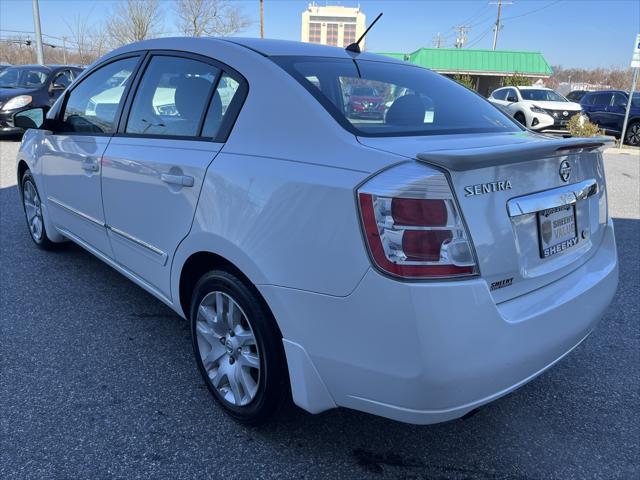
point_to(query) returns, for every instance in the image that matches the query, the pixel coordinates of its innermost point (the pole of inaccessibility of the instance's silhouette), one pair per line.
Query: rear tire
(632, 135)
(519, 116)
(32, 206)
(238, 347)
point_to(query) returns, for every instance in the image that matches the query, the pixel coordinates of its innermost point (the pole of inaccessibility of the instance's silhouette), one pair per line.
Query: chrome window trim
(556, 197)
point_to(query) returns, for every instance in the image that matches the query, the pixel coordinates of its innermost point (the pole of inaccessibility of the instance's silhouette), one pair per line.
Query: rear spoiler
(496, 155)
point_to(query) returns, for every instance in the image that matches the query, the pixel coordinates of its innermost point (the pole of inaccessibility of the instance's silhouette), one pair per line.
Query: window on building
(332, 34)
(349, 35)
(315, 32)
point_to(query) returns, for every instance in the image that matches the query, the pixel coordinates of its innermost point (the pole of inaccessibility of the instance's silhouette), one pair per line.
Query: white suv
(536, 108)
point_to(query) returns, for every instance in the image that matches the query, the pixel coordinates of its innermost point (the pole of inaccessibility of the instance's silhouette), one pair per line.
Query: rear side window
(91, 107)
(373, 98)
(619, 100)
(226, 94)
(499, 94)
(172, 97)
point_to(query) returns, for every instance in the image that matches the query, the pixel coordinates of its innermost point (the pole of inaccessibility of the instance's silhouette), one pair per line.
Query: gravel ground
(97, 381)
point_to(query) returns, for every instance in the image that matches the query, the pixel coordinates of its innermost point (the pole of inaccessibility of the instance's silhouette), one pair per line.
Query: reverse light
(17, 102)
(412, 225)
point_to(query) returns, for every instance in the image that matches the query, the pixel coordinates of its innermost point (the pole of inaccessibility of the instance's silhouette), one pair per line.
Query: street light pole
(36, 22)
(626, 113)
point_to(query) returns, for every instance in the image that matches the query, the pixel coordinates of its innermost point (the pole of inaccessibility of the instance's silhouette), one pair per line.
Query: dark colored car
(576, 95)
(365, 102)
(607, 109)
(29, 86)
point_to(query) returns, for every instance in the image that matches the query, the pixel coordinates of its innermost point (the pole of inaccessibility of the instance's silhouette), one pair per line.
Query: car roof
(532, 87)
(36, 66)
(606, 91)
(272, 47)
(263, 46)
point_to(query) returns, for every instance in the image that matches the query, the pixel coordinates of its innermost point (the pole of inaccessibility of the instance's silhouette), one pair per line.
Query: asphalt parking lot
(97, 381)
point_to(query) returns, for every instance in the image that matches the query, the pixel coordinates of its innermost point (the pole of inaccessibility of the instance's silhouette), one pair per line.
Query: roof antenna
(355, 47)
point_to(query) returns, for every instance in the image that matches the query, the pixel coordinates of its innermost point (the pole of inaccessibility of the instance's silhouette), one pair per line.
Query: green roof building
(488, 68)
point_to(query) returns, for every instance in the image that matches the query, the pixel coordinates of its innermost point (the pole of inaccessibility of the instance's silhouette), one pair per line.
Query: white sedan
(414, 266)
(537, 108)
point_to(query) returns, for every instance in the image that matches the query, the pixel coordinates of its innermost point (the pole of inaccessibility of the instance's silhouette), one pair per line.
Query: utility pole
(64, 49)
(261, 18)
(461, 37)
(437, 40)
(36, 22)
(497, 26)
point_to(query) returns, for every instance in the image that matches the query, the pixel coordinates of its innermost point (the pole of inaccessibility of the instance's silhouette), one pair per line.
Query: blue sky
(573, 33)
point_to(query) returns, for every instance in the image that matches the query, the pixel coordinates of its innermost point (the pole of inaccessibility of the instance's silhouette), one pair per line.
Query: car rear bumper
(429, 352)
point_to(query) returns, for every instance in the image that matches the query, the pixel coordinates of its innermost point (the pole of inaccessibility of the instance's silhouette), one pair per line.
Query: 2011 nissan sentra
(415, 265)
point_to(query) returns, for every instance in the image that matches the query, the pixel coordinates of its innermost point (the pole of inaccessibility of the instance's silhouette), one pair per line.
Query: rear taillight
(412, 225)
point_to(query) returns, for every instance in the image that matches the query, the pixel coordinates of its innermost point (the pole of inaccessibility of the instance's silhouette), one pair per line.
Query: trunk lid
(502, 182)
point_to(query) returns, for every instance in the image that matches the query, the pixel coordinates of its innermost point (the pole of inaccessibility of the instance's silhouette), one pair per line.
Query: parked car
(537, 108)
(27, 86)
(413, 266)
(607, 109)
(576, 95)
(365, 102)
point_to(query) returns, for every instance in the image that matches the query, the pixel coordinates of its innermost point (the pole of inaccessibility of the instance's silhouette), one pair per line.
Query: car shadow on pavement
(120, 381)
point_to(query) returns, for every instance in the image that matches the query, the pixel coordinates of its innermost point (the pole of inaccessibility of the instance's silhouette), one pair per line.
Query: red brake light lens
(412, 226)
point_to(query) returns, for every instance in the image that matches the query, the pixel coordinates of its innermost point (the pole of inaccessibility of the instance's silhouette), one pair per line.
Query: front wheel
(520, 118)
(32, 206)
(632, 136)
(238, 347)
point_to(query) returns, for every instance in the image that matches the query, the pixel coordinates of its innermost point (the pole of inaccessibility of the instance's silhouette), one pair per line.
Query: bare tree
(80, 30)
(197, 18)
(134, 20)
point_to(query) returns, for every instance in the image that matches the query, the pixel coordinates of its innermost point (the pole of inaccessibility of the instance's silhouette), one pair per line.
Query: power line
(533, 11)
(479, 38)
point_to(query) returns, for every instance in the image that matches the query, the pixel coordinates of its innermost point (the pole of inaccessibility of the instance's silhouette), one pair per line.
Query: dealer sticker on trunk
(557, 230)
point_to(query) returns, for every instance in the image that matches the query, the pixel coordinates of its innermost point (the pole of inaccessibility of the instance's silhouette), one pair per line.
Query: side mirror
(512, 99)
(57, 87)
(32, 118)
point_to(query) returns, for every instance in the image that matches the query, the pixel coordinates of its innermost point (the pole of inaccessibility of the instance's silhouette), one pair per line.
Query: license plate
(557, 230)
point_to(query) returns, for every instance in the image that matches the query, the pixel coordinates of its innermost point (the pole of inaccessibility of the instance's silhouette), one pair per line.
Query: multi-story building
(336, 25)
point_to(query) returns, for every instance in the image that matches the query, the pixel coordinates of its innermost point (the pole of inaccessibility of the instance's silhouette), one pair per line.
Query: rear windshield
(373, 98)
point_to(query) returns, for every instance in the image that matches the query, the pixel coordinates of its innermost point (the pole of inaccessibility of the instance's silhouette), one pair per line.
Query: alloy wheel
(633, 135)
(33, 210)
(228, 348)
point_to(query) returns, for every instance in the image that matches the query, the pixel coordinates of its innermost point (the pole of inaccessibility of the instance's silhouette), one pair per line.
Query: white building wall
(318, 23)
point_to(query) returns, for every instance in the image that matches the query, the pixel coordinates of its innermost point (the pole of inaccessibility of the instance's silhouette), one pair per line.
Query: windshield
(22, 77)
(542, 95)
(403, 99)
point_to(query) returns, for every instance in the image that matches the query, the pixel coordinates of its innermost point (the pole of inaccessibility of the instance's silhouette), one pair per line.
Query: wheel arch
(22, 168)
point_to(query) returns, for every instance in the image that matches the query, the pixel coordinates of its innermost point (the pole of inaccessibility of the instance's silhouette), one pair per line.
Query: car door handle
(181, 180)
(90, 165)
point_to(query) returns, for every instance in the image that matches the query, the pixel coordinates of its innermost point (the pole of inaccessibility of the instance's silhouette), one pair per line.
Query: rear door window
(172, 97)
(603, 99)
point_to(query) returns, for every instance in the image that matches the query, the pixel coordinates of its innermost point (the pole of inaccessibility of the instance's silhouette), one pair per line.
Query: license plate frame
(557, 230)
